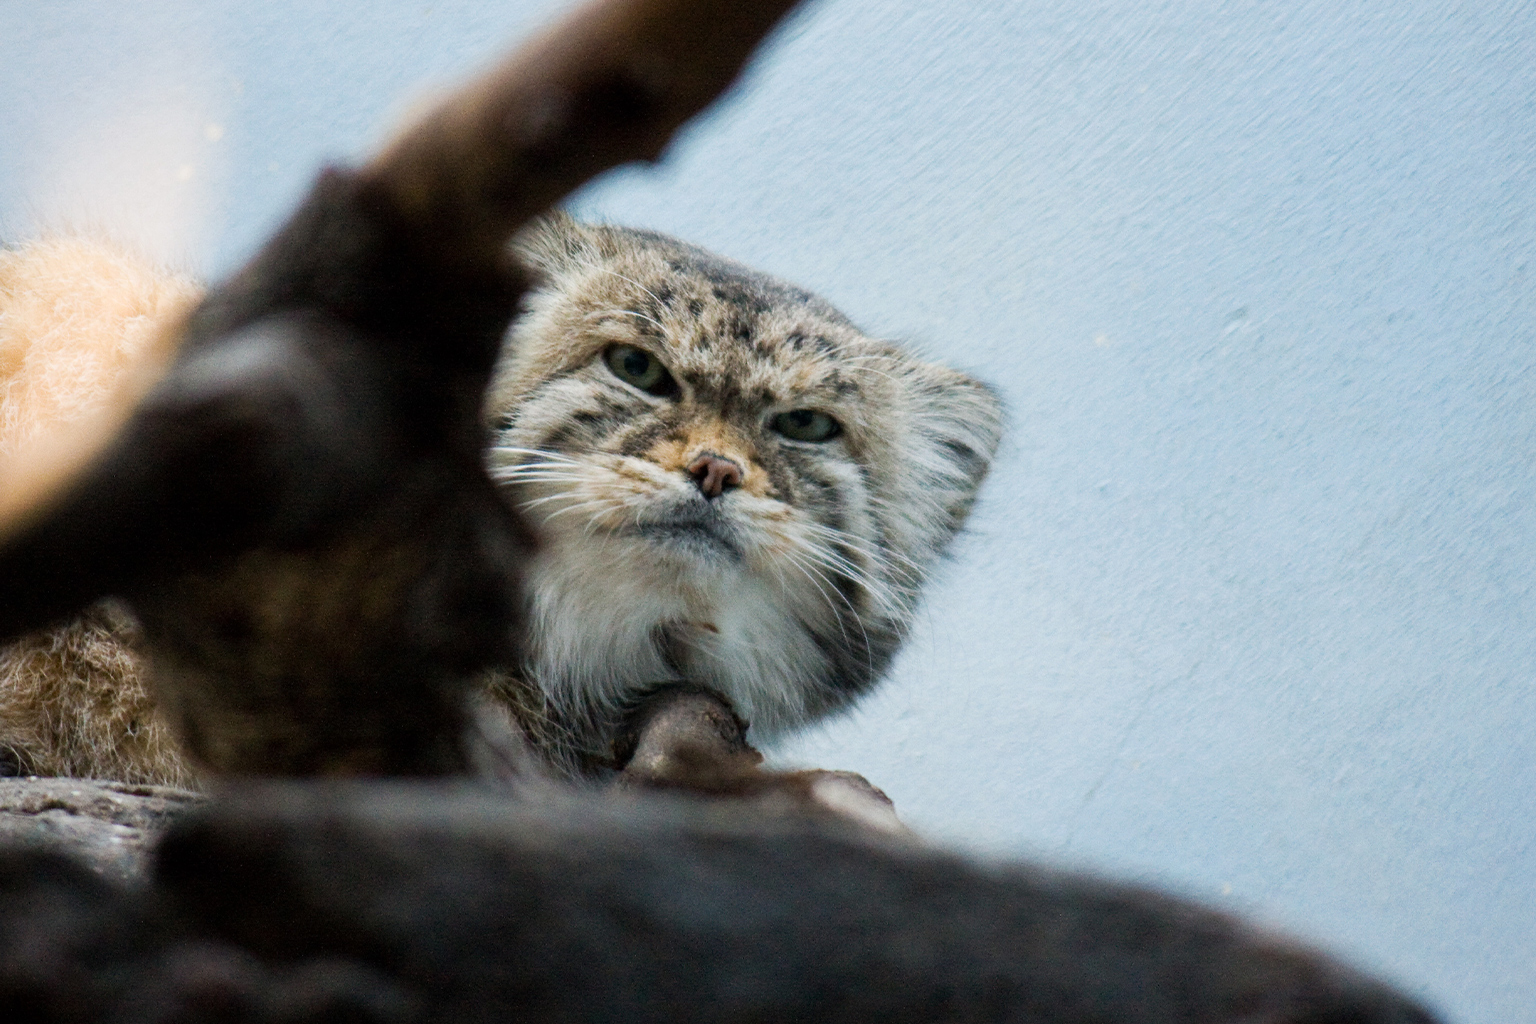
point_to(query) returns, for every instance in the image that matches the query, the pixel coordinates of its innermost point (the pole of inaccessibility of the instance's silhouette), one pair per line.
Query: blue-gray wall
(1248, 606)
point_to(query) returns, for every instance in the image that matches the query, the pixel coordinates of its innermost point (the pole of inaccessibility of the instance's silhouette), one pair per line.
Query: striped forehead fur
(790, 591)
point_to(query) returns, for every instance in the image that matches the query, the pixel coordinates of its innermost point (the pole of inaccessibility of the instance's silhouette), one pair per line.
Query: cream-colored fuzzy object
(82, 323)
(78, 317)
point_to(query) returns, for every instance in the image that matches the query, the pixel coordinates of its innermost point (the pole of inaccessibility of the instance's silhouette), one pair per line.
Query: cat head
(732, 483)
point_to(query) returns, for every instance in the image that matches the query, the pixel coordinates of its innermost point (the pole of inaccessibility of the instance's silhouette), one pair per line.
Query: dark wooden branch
(297, 509)
(608, 85)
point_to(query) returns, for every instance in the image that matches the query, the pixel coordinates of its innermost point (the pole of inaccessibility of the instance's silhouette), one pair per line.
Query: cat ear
(553, 245)
(955, 423)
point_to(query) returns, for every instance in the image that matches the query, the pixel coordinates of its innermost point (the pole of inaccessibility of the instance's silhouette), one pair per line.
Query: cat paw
(690, 739)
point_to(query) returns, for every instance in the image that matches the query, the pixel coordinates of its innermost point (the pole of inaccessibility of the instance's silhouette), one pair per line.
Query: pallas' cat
(732, 486)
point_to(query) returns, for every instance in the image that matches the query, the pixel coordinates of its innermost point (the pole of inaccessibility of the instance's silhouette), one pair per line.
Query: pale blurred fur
(78, 317)
(826, 546)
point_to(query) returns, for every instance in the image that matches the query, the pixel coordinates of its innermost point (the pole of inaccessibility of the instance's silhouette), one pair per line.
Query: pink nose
(714, 474)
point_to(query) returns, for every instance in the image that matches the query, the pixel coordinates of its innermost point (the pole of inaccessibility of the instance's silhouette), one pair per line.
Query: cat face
(732, 484)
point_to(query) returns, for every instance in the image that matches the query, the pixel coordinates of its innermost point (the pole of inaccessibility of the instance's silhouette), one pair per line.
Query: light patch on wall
(138, 168)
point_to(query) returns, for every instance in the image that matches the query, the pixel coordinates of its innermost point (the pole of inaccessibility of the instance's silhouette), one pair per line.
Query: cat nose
(714, 474)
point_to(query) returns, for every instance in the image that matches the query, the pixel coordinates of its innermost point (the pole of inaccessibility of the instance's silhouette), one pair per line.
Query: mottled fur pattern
(790, 590)
(74, 702)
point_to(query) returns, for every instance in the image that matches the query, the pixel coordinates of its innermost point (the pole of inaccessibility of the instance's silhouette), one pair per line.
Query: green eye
(637, 367)
(806, 425)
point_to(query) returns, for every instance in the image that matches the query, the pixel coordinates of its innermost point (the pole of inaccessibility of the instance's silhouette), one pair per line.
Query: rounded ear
(956, 424)
(553, 244)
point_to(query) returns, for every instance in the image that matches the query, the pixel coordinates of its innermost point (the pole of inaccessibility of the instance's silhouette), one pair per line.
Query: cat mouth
(697, 531)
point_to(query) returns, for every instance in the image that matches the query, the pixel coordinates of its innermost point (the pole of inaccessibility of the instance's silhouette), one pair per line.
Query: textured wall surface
(1248, 607)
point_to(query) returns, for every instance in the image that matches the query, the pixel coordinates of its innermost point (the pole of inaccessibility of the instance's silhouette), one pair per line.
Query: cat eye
(638, 368)
(806, 425)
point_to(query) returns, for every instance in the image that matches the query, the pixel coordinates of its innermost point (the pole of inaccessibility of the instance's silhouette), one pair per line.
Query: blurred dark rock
(396, 901)
(105, 825)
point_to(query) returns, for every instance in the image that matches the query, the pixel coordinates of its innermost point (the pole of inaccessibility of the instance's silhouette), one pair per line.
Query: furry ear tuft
(554, 244)
(956, 426)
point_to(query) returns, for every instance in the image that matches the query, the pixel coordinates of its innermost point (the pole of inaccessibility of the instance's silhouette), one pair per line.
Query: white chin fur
(599, 603)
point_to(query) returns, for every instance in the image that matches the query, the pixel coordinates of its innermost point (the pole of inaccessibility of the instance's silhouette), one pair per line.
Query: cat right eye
(638, 368)
(806, 425)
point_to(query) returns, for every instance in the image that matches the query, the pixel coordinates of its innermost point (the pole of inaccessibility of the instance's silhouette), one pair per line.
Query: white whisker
(911, 571)
(858, 620)
(624, 277)
(535, 502)
(538, 476)
(542, 453)
(578, 506)
(627, 312)
(810, 573)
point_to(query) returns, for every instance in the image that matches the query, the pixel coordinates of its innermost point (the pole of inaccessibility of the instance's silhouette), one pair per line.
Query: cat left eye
(806, 425)
(638, 368)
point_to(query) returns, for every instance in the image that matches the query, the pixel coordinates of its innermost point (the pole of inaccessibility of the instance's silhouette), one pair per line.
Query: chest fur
(608, 620)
